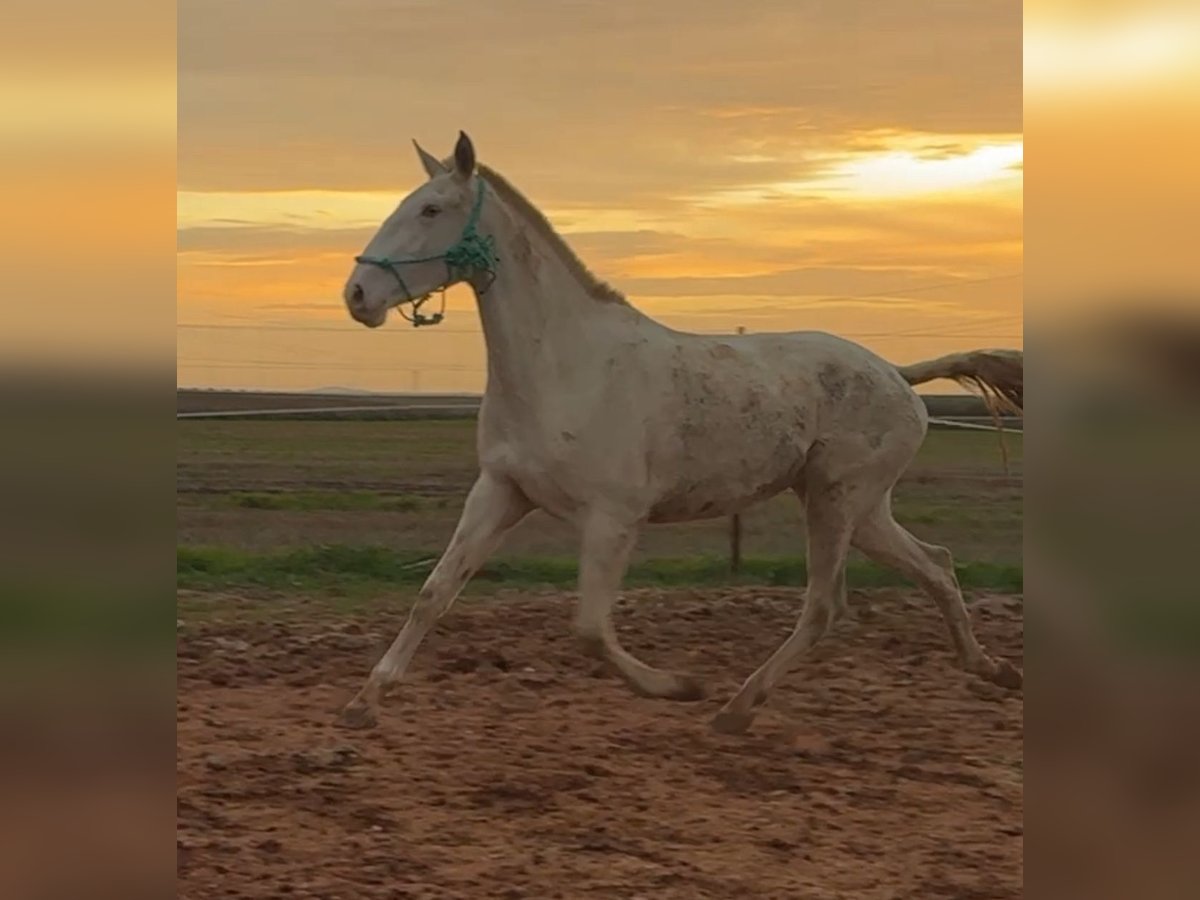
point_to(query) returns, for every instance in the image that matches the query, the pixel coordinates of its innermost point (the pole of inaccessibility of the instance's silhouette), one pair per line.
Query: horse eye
(429, 211)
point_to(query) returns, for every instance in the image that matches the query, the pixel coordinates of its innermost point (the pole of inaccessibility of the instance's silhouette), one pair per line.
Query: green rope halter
(471, 254)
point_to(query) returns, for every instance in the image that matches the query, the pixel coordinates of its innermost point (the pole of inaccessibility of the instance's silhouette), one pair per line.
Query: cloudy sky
(777, 164)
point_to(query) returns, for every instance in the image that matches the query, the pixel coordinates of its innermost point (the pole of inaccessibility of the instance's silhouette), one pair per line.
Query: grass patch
(1000, 512)
(326, 500)
(417, 449)
(83, 619)
(352, 569)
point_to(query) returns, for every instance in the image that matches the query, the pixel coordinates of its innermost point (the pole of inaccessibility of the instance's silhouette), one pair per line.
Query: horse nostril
(356, 295)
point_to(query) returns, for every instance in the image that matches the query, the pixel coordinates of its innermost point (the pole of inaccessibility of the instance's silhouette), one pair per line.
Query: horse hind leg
(830, 524)
(882, 539)
(841, 606)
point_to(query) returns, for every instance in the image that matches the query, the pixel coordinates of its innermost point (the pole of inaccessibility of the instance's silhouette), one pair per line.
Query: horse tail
(999, 375)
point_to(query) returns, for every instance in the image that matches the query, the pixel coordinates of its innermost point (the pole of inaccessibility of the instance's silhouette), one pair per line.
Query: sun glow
(884, 166)
(906, 172)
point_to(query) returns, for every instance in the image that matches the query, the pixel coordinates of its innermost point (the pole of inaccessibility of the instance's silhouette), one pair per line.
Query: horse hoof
(1007, 676)
(846, 615)
(357, 716)
(731, 722)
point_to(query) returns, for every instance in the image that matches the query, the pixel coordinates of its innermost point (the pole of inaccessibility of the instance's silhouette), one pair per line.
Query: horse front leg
(604, 557)
(494, 505)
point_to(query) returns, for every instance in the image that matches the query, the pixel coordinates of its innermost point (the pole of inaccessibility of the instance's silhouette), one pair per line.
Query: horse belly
(712, 491)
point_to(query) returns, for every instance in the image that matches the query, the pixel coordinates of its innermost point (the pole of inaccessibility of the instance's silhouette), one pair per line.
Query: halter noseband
(471, 254)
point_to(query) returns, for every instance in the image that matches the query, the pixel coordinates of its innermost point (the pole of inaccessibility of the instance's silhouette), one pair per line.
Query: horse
(608, 420)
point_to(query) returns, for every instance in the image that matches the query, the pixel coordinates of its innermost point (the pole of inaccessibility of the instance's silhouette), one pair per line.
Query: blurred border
(86, 480)
(1112, 96)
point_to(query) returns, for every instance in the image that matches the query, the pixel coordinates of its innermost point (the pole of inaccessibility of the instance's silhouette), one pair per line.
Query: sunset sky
(854, 167)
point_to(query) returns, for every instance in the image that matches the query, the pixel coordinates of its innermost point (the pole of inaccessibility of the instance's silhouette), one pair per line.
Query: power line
(228, 326)
(933, 287)
(294, 364)
(851, 334)
(883, 336)
(986, 322)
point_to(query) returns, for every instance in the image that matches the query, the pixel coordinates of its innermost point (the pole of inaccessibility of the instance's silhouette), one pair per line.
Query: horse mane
(596, 289)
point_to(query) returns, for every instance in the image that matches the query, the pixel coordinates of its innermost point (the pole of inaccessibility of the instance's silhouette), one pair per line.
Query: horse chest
(553, 471)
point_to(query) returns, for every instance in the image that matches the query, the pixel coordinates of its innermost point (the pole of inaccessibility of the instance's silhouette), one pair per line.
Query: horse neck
(540, 323)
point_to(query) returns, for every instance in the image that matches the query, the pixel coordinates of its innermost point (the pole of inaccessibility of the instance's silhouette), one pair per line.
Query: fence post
(735, 526)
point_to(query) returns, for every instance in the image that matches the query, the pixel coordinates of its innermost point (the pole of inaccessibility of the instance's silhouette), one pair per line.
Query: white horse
(608, 420)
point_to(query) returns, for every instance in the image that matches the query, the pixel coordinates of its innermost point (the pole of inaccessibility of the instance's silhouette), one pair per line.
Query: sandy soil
(510, 767)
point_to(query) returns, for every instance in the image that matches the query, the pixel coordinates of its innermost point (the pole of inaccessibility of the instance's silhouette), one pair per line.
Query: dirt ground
(511, 767)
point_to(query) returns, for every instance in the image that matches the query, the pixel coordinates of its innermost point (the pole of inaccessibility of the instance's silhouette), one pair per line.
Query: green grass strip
(306, 501)
(344, 568)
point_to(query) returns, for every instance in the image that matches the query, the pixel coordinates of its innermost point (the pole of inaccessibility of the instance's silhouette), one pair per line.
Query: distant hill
(344, 391)
(207, 400)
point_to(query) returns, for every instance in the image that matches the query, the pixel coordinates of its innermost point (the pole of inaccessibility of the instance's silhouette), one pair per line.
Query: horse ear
(464, 157)
(433, 168)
